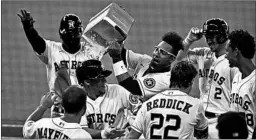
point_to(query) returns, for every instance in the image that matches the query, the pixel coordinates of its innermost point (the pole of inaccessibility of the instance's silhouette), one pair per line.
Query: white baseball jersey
(215, 77)
(170, 114)
(243, 98)
(151, 83)
(55, 57)
(111, 106)
(53, 128)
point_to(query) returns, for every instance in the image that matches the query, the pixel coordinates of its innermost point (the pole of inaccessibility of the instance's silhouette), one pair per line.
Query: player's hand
(47, 100)
(112, 132)
(114, 50)
(194, 34)
(26, 19)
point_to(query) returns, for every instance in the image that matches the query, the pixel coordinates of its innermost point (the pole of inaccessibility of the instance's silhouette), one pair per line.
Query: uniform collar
(58, 122)
(174, 92)
(149, 70)
(82, 48)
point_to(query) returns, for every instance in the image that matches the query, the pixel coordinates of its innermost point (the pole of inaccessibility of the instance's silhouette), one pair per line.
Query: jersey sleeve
(139, 124)
(233, 72)
(202, 122)
(130, 101)
(83, 135)
(83, 121)
(194, 54)
(133, 59)
(30, 130)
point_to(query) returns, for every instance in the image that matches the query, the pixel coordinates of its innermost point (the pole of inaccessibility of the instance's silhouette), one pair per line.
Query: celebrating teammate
(151, 74)
(172, 114)
(215, 75)
(65, 127)
(240, 52)
(71, 52)
(107, 104)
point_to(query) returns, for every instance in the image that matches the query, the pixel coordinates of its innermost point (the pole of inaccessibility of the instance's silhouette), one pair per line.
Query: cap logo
(71, 24)
(205, 27)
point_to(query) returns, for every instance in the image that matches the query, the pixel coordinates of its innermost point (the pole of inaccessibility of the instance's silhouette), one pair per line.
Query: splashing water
(94, 49)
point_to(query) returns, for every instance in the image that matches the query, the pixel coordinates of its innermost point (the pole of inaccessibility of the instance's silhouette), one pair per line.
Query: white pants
(212, 130)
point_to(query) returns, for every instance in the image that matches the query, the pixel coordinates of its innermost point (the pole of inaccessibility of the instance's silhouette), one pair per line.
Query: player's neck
(158, 69)
(71, 118)
(181, 89)
(246, 67)
(71, 49)
(93, 96)
(221, 51)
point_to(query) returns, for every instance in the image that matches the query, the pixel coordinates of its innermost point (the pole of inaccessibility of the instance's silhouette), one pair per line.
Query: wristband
(187, 40)
(119, 68)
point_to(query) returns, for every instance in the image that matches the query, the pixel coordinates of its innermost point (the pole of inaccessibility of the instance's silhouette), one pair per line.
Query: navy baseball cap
(91, 69)
(232, 125)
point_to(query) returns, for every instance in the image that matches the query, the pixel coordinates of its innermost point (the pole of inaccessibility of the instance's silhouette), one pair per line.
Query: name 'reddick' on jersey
(171, 114)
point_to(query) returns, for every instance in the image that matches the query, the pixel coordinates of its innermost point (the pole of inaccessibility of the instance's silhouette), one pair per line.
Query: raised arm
(45, 103)
(37, 42)
(193, 35)
(117, 53)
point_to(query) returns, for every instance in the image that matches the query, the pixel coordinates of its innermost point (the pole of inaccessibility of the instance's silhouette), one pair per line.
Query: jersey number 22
(167, 128)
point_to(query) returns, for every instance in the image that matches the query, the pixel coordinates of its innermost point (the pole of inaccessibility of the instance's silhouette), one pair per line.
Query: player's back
(54, 128)
(173, 114)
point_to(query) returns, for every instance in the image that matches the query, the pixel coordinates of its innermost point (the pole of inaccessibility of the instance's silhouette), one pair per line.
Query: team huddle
(153, 98)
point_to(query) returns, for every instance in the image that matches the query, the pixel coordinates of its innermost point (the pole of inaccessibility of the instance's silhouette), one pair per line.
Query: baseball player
(65, 127)
(151, 74)
(70, 53)
(215, 75)
(107, 104)
(172, 114)
(240, 52)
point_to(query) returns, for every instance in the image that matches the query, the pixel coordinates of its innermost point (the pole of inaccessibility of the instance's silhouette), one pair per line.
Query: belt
(210, 115)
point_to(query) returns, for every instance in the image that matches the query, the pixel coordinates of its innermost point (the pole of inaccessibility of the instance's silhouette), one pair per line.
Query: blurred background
(24, 75)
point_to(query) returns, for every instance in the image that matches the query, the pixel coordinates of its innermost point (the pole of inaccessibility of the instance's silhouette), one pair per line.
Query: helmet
(91, 69)
(216, 26)
(70, 27)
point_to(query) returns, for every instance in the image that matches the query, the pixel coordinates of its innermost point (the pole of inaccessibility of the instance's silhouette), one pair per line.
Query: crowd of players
(155, 101)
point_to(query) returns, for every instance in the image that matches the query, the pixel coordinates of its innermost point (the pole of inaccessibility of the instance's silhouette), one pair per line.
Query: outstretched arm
(37, 42)
(116, 51)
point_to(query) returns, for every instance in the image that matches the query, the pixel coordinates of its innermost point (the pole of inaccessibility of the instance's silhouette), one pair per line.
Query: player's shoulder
(158, 96)
(115, 89)
(82, 134)
(144, 58)
(43, 121)
(53, 44)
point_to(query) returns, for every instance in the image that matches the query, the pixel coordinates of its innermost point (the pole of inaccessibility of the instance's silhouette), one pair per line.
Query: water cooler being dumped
(110, 24)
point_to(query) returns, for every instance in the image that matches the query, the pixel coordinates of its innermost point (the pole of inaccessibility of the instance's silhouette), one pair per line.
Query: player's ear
(172, 59)
(86, 83)
(236, 52)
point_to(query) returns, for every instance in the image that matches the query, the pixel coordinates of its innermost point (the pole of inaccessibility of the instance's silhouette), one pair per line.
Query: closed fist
(194, 34)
